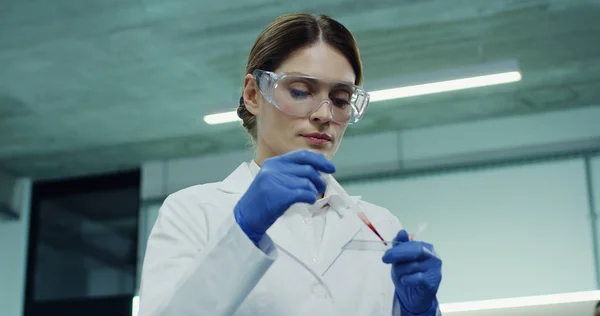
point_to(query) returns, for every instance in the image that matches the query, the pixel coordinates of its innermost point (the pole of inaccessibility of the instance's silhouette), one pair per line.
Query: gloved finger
(429, 248)
(429, 279)
(306, 185)
(292, 182)
(402, 236)
(303, 196)
(306, 157)
(401, 269)
(413, 279)
(406, 252)
(307, 172)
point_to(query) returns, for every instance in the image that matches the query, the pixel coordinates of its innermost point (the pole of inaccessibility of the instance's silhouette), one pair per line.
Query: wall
(531, 218)
(13, 245)
(594, 180)
(407, 151)
(503, 232)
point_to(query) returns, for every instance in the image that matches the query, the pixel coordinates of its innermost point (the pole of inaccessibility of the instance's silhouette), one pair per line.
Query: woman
(268, 239)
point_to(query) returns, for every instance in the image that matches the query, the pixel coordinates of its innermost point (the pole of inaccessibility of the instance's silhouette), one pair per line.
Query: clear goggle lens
(301, 95)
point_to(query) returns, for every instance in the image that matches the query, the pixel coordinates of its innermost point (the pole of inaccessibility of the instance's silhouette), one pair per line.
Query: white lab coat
(199, 262)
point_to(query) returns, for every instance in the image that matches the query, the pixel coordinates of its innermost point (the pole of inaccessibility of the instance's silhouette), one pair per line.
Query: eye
(297, 93)
(340, 102)
(340, 98)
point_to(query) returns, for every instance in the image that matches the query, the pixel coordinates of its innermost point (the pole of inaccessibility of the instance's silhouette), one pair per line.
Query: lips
(320, 136)
(317, 139)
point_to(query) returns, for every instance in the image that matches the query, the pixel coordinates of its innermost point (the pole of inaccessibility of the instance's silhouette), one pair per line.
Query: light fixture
(525, 301)
(480, 75)
(445, 86)
(220, 118)
(539, 300)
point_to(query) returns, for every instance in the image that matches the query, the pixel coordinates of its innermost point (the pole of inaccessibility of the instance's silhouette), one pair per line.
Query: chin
(327, 152)
(320, 150)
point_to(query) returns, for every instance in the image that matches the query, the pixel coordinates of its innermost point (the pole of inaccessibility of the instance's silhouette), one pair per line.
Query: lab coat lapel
(238, 181)
(338, 231)
(285, 240)
(342, 225)
(236, 184)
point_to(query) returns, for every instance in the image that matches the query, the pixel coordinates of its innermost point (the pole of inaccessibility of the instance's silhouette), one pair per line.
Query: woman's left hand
(416, 273)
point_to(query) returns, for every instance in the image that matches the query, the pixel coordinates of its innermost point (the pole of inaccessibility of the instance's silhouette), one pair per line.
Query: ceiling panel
(109, 84)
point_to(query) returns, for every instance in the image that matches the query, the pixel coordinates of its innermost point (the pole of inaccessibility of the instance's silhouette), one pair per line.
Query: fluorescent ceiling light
(445, 86)
(521, 302)
(220, 118)
(460, 79)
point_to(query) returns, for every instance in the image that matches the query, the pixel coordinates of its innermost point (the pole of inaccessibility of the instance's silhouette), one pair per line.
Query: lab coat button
(319, 291)
(306, 220)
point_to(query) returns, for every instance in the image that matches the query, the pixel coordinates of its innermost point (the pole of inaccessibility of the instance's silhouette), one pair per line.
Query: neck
(262, 152)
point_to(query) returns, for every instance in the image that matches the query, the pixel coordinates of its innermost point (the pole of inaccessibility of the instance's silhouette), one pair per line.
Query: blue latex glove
(416, 273)
(282, 181)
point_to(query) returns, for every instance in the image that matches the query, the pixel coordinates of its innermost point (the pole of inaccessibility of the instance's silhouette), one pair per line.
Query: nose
(323, 113)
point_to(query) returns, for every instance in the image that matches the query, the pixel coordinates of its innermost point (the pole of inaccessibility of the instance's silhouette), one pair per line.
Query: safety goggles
(301, 95)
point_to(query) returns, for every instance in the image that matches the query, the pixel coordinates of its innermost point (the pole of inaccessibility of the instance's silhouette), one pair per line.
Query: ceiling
(102, 85)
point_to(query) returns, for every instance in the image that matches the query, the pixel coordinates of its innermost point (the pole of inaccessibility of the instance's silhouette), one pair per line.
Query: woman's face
(278, 132)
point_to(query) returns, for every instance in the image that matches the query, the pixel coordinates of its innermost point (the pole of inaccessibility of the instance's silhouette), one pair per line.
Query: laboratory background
(483, 134)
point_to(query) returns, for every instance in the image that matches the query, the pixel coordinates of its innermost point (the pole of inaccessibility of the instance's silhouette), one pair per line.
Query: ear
(251, 94)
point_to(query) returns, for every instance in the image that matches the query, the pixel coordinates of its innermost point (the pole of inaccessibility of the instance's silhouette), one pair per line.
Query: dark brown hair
(292, 32)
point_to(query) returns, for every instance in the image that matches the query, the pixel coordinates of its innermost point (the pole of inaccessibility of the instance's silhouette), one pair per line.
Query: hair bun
(248, 119)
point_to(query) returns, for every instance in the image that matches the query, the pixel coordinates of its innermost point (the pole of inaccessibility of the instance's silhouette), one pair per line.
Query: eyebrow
(304, 74)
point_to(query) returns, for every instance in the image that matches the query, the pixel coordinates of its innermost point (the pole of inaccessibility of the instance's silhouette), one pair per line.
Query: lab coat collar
(342, 225)
(240, 179)
(339, 199)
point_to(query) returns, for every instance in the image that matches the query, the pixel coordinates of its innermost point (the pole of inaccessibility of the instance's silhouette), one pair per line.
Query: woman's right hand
(282, 181)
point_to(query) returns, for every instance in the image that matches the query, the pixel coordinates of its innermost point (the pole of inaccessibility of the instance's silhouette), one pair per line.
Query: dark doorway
(83, 241)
